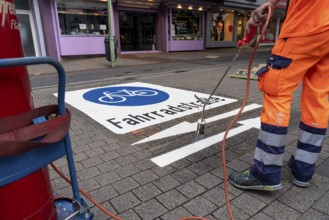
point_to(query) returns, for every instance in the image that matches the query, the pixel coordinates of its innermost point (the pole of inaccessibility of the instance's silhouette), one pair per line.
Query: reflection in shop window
(82, 22)
(186, 25)
(222, 27)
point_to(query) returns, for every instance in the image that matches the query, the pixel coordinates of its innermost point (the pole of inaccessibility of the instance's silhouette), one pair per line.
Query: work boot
(297, 182)
(247, 181)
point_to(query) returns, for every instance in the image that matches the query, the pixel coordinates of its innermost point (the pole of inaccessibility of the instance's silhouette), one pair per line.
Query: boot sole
(259, 187)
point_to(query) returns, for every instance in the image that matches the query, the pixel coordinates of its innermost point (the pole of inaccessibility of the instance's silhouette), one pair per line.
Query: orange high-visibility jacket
(306, 17)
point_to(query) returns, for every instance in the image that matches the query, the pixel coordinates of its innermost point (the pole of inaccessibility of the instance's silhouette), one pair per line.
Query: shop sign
(127, 107)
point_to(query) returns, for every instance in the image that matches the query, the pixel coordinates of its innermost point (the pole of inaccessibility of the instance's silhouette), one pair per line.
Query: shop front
(137, 30)
(186, 25)
(227, 23)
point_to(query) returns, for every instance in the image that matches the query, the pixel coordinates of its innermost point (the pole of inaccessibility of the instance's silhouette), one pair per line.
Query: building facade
(60, 28)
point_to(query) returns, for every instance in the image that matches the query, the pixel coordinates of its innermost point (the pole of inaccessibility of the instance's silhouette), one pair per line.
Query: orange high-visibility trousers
(310, 65)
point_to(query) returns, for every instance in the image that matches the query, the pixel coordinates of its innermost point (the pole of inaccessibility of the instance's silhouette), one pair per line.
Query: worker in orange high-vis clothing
(300, 55)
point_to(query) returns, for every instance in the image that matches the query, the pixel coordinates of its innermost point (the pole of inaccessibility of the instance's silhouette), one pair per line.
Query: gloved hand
(259, 15)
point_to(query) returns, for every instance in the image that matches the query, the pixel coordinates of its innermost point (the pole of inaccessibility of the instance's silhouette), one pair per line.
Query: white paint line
(186, 127)
(178, 154)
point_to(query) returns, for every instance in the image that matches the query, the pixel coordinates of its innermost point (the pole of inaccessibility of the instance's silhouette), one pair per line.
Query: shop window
(82, 21)
(22, 4)
(186, 25)
(137, 30)
(269, 36)
(222, 26)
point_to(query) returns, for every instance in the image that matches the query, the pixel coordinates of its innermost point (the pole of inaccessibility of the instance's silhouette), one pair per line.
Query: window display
(82, 22)
(222, 26)
(186, 25)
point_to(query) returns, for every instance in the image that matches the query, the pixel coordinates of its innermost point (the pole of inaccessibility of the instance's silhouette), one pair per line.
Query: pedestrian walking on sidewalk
(300, 55)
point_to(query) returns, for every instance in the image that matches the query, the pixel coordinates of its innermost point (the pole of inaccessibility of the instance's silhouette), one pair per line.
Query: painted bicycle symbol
(120, 95)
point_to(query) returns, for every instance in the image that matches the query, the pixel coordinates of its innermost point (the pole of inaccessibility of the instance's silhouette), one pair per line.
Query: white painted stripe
(186, 127)
(178, 154)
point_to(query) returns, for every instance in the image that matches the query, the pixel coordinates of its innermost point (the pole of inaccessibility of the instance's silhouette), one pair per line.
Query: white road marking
(186, 127)
(178, 154)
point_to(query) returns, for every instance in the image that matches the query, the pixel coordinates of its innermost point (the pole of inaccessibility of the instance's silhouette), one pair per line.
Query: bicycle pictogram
(121, 95)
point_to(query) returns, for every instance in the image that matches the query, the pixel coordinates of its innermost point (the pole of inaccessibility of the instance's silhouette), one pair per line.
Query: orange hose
(239, 113)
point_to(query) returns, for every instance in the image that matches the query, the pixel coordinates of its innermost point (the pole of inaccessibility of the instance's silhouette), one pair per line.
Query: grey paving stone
(322, 204)
(88, 173)
(196, 157)
(199, 206)
(127, 171)
(111, 144)
(200, 168)
(261, 216)
(125, 160)
(177, 213)
(142, 154)
(89, 185)
(183, 175)
(126, 151)
(163, 171)
(208, 180)
(107, 178)
(125, 185)
(150, 210)
(230, 155)
(166, 183)
(267, 197)
(216, 196)
(95, 150)
(298, 198)
(247, 203)
(108, 166)
(124, 202)
(100, 215)
(145, 177)
(79, 148)
(109, 156)
(238, 214)
(147, 192)
(80, 156)
(130, 215)
(181, 163)
(103, 194)
(238, 165)
(278, 211)
(312, 214)
(144, 164)
(191, 189)
(213, 161)
(171, 199)
(93, 161)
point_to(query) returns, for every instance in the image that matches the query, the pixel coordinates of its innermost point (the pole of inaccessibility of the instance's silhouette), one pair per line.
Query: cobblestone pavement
(122, 178)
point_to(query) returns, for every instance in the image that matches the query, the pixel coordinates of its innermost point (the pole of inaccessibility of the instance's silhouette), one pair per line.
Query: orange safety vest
(306, 17)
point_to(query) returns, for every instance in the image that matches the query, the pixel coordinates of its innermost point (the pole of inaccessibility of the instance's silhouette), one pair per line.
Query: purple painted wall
(50, 28)
(73, 45)
(185, 45)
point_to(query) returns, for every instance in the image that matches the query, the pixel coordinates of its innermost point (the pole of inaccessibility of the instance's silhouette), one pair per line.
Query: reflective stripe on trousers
(303, 160)
(269, 153)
